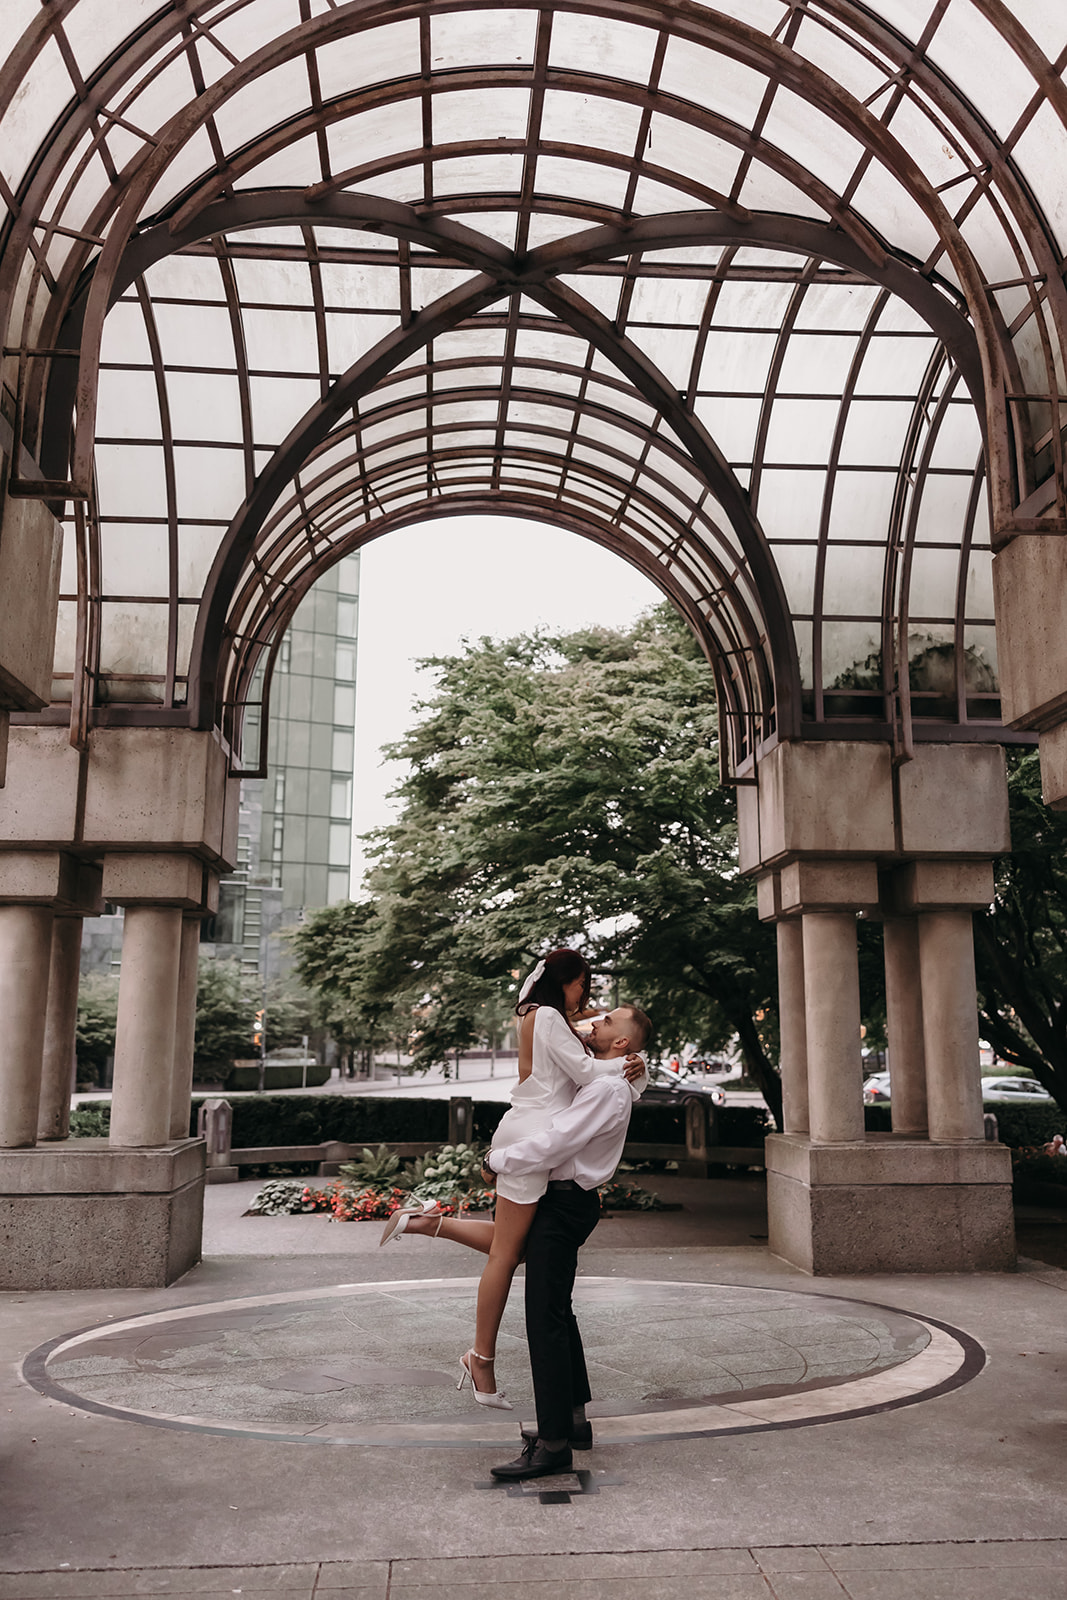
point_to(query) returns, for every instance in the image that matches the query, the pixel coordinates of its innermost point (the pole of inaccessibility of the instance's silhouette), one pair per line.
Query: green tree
(226, 1003)
(1021, 944)
(336, 953)
(98, 1002)
(561, 790)
(227, 1000)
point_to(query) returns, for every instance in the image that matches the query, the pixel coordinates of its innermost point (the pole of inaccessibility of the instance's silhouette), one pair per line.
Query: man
(581, 1149)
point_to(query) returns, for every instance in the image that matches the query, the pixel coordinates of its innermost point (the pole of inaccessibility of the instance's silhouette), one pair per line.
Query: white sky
(422, 589)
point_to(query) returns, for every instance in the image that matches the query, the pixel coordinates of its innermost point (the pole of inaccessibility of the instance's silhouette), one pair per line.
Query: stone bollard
(460, 1119)
(214, 1123)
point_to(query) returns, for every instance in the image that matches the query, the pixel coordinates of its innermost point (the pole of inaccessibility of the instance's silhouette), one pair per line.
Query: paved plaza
(284, 1421)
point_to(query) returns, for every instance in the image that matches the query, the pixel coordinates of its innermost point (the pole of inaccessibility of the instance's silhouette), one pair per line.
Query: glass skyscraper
(294, 846)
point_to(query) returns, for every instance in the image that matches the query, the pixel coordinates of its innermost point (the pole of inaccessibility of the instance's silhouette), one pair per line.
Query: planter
(279, 1075)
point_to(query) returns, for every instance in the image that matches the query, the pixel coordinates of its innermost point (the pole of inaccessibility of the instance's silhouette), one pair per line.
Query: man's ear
(622, 1042)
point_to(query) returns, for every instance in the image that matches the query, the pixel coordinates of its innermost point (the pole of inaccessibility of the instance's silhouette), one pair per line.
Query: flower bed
(346, 1202)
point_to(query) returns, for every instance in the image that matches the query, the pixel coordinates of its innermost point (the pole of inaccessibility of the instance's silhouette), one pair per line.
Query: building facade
(294, 831)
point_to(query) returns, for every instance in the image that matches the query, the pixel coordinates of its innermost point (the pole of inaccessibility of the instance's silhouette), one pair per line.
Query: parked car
(1020, 1090)
(876, 1089)
(668, 1088)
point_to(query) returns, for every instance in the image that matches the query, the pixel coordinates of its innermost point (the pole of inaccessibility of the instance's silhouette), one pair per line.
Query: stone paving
(992, 1571)
(950, 1488)
(363, 1362)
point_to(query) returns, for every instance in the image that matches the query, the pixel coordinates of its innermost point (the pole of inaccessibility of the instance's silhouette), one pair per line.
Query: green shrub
(453, 1173)
(350, 1119)
(878, 1118)
(364, 1120)
(90, 1121)
(628, 1196)
(286, 1197)
(379, 1169)
(1016, 1125)
(1033, 1166)
(1027, 1125)
(743, 1125)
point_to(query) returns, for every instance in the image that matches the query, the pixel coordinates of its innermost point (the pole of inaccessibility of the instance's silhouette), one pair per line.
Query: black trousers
(562, 1223)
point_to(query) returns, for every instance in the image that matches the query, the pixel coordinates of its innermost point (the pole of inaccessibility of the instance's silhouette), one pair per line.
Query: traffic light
(257, 1027)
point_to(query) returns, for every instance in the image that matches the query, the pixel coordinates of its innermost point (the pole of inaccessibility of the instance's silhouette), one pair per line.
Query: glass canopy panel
(934, 581)
(591, 44)
(588, 120)
(853, 581)
(248, 410)
(479, 114)
(979, 60)
(691, 152)
(135, 559)
(842, 59)
(41, 96)
(381, 55)
(808, 136)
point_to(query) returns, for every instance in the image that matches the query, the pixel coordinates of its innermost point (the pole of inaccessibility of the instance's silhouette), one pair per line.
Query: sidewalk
(955, 1493)
(950, 1571)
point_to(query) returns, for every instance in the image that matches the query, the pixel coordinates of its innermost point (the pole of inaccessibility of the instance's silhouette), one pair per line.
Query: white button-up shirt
(584, 1142)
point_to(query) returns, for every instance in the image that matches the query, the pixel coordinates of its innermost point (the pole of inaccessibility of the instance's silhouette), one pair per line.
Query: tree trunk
(759, 1066)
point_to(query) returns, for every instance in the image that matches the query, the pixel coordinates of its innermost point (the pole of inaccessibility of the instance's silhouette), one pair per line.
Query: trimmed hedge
(352, 1119)
(362, 1119)
(1016, 1125)
(279, 1075)
(1027, 1125)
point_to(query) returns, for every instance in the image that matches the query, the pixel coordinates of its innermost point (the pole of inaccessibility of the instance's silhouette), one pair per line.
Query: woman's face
(573, 992)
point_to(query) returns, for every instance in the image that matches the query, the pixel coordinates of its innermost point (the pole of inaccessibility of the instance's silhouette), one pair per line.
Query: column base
(83, 1215)
(889, 1204)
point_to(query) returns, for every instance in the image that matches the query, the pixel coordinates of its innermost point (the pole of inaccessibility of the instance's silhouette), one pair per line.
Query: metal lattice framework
(768, 298)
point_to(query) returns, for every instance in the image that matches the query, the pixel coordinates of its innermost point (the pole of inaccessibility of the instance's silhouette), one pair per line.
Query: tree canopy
(1021, 943)
(560, 789)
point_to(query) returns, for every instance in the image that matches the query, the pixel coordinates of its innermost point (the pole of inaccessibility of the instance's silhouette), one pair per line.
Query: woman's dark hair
(561, 966)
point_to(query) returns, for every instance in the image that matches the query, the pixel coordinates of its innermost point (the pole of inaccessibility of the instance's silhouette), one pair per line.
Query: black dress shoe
(535, 1462)
(581, 1437)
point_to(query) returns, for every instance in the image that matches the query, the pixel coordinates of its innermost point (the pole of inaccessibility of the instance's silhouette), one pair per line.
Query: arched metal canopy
(721, 288)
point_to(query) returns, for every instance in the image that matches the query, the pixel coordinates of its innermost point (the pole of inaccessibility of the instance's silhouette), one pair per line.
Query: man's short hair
(641, 1027)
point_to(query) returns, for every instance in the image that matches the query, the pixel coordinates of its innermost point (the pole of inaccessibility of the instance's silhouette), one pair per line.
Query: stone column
(144, 1040)
(60, 1028)
(832, 1006)
(184, 1029)
(904, 1017)
(950, 1026)
(792, 1025)
(25, 949)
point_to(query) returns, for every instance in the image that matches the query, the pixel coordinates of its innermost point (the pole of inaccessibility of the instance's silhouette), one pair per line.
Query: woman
(553, 1064)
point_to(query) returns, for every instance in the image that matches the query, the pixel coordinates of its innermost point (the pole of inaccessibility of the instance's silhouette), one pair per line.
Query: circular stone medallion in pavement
(376, 1363)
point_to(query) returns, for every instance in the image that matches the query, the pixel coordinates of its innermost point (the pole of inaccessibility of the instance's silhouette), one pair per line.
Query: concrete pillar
(950, 1026)
(60, 1029)
(792, 1025)
(185, 1029)
(832, 1007)
(904, 1017)
(25, 949)
(144, 1040)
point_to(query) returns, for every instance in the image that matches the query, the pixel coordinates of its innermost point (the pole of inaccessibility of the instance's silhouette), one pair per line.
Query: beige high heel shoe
(399, 1220)
(498, 1399)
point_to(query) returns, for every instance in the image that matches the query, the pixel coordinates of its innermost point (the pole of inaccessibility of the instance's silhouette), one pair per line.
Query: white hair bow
(538, 972)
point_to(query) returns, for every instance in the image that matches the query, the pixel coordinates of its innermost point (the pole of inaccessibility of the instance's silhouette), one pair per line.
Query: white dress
(561, 1066)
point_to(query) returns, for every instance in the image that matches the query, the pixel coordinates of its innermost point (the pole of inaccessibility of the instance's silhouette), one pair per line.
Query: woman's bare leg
(475, 1232)
(503, 1241)
(511, 1226)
